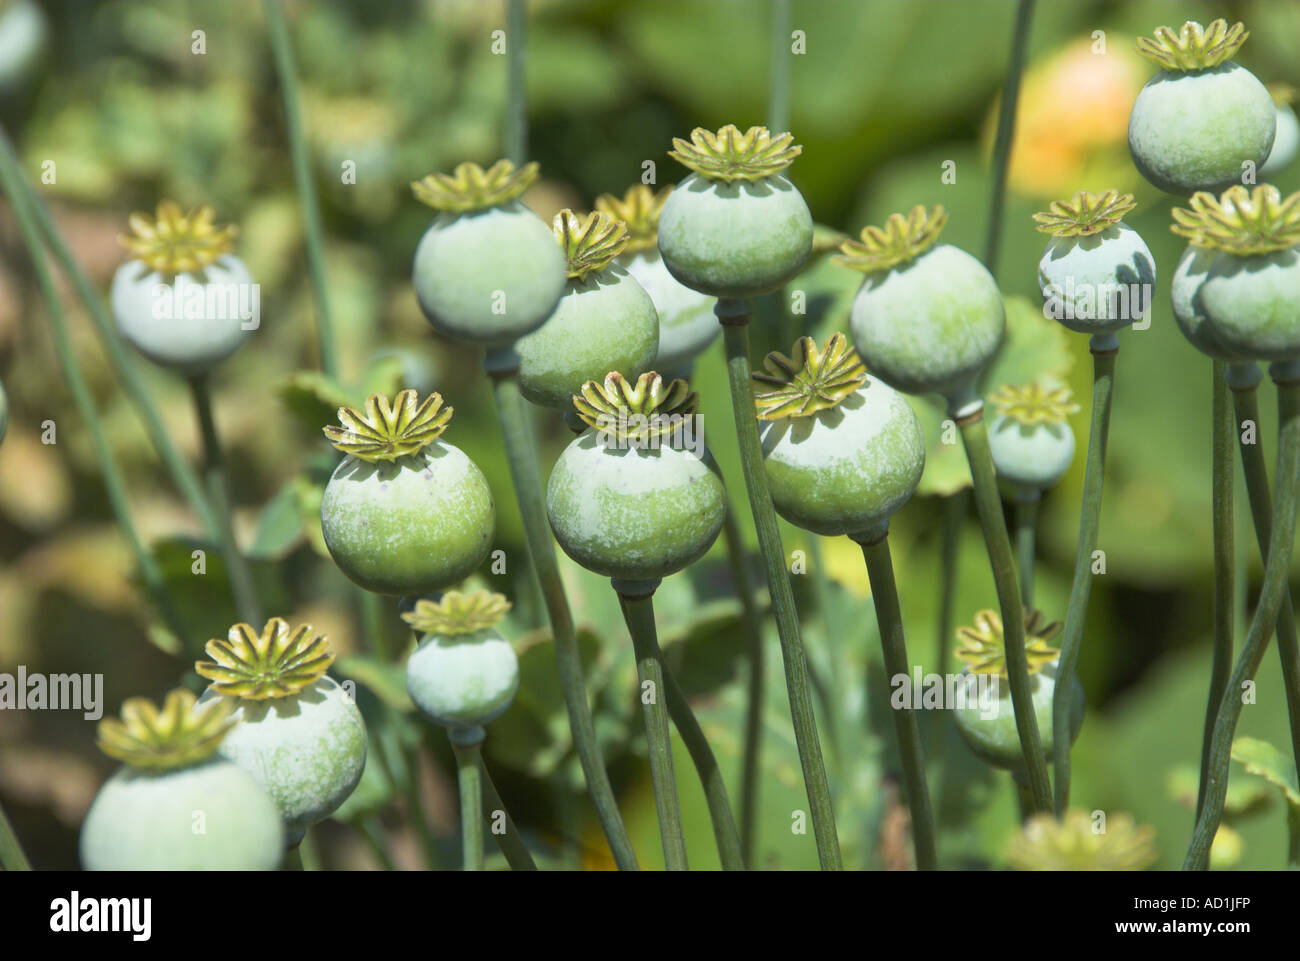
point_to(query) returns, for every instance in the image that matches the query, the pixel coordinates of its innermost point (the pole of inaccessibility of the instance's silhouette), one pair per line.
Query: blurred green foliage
(888, 93)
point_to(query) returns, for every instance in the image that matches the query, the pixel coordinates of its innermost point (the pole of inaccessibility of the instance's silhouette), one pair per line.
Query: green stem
(638, 611)
(1024, 798)
(282, 54)
(372, 620)
(121, 362)
(988, 503)
(512, 412)
(293, 859)
(884, 594)
(753, 742)
(1006, 132)
(1272, 595)
(12, 855)
(954, 515)
(516, 91)
(1246, 404)
(214, 468)
(1104, 350)
(1025, 511)
(734, 316)
(1224, 563)
(510, 842)
(309, 851)
(373, 835)
(114, 485)
(471, 803)
(706, 765)
(778, 89)
(1293, 836)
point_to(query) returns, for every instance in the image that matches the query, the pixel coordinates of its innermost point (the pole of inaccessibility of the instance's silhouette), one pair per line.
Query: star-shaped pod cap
(387, 431)
(590, 243)
(639, 210)
(274, 662)
(457, 613)
(808, 380)
(1034, 404)
(1240, 221)
(1084, 214)
(180, 734)
(902, 239)
(173, 242)
(1075, 844)
(1193, 47)
(651, 408)
(730, 155)
(983, 646)
(469, 187)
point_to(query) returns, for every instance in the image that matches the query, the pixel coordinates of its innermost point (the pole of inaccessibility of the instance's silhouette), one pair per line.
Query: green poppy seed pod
(637, 496)
(404, 513)
(687, 324)
(184, 301)
(1193, 268)
(23, 31)
(843, 452)
(1249, 294)
(1285, 145)
(174, 806)
(605, 320)
(298, 733)
(1030, 438)
(463, 674)
(927, 319)
(1202, 119)
(736, 227)
(487, 270)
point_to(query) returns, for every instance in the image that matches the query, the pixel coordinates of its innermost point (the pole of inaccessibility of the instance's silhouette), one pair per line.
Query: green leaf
(280, 528)
(1260, 757)
(385, 680)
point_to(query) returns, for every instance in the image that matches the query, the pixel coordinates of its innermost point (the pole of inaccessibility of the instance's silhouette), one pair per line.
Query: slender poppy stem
(1025, 511)
(1272, 595)
(884, 594)
(509, 840)
(1243, 381)
(1006, 132)
(1104, 350)
(119, 359)
(314, 234)
(469, 780)
(734, 316)
(638, 611)
(12, 855)
(988, 503)
(516, 92)
(1224, 520)
(513, 415)
(954, 515)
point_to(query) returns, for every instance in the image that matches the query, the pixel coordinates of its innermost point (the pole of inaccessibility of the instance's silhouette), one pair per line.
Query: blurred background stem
(510, 841)
(12, 856)
(469, 781)
(1025, 511)
(1006, 132)
(516, 139)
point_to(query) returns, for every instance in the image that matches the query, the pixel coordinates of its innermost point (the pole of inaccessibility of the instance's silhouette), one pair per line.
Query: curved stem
(516, 93)
(471, 804)
(884, 594)
(114, 484)
(1006, 132)
(988, 503)
(282, 54)
(1272, 595)
(1246, 404)
(509, 841)
(12, 855)
(214, 468)
(706, 765)
(734, 316)
(1224, 563)
(640, 616)
(1104, 352)
(1025, 512)
(121, 362)
(512, 413)
(753, 742)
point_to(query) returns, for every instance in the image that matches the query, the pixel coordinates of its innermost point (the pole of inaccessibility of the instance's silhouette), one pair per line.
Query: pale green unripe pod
(1100, 283)
(989, 729)
(687, 324)
(463, 681)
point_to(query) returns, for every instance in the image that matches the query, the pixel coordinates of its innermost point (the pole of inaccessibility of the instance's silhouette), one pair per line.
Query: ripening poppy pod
(1203, 118)
(1030, 437)
(604, 321)
(144, 816)
(299, 733)
(487, 270)
(184, 300)
(405, 512)
(1287, 141)
(736, 227)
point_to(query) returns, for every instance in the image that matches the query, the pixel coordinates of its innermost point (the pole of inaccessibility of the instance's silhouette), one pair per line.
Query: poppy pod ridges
(142, 817)
(405, 512)
(486, 271)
